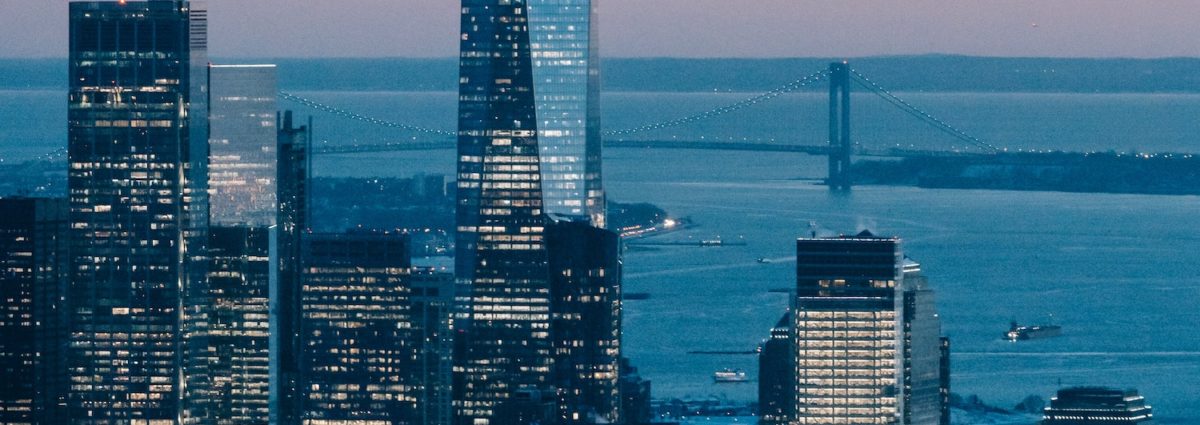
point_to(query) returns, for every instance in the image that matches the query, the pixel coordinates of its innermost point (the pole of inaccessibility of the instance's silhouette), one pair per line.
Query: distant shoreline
(927, 73)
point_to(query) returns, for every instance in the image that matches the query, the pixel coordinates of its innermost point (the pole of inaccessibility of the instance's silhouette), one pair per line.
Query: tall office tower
(359, 351)
(1097, 406)
(239, 277)
(433, 298)
(242, 144)
(566, 78)
(777, 375)
(585, 278)
(294, 198)
(847, 330)
(33, 281)
(138, 151)
(922, 402)
(944, 378)
(500, 222)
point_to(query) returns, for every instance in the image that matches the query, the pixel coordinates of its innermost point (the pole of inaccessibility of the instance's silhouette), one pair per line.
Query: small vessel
(1016, 332)
(763, 260)
(712, 242)
(730, 376)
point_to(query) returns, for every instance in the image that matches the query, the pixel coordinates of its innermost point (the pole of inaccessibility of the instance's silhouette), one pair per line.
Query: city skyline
(683, 28)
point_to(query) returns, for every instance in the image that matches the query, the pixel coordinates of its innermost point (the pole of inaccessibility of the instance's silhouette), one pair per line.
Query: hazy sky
(685, 28)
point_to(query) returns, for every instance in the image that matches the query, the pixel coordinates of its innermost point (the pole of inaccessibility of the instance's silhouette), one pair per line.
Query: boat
(730, 376)
(712, 242)
(764, 260)
(1016, 332)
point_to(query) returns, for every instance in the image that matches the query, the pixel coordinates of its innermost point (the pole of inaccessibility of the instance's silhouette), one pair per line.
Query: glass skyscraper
(529, 150)
(242, 156)
(500, 252)
(566, 78)
(293, 220)
(138, 153)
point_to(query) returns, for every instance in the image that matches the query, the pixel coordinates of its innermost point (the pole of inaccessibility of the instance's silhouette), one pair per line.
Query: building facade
(777, 375)
(922, 402)
(433, 297)
(866, 337)
(1097, 406)
(847, 330)
(138, 153)
(500, 250)
(33, 282)
(240, 278)
(359, 344)
(585, 270)
(242, 144)
(293, 217)
(566, 79)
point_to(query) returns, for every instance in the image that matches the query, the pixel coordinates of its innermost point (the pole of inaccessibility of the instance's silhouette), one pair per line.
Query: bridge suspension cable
(919, 113)
(716, 112)
(360, 117)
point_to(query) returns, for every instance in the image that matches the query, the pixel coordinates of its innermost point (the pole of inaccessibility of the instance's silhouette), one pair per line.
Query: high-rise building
(359, 356)
(138, 152)
(847, 330)
(635, 395)
(239, 275)
(500, 250)
(433, 297)
(33, 281)
(944, 378)
(922, 401)
(242, 144)
(777, 375)
(1097, 406)
(866, 335)
(585, 276)
(528, 148)
(294, 198)
(566, 83)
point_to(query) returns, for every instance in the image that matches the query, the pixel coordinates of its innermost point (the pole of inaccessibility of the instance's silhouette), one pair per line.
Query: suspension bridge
(839, 147)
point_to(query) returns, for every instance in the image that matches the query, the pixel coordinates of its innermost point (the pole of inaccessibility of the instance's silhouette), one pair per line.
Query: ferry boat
(730, 376)
(1017, 332)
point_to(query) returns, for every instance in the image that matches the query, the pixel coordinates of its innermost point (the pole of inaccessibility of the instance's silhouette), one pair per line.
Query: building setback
(33, 281)
(138, 153)
(242, 144)
(240, 278)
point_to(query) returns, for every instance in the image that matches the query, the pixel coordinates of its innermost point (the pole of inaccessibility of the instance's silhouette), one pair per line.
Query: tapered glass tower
(138, 151)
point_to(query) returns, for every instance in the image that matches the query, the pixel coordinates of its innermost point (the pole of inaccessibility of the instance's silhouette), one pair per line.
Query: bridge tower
(839, 127)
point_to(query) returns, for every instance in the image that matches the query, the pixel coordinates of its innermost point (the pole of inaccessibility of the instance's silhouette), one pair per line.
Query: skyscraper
(566, 84)
(847, 330)
(500, 249)
(528, 148)
(138, 153)
(239, 277)
(360, 346)
(777, 375)
(866, 335)
(242, 144)
(585, 276)
(433, 298)
(293, 198)
(922, 401)
(33, 280)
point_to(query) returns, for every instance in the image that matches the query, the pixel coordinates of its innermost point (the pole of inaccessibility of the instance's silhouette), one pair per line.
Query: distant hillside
(931, 73)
